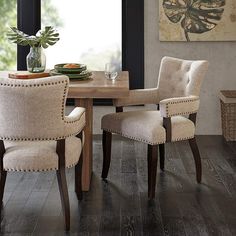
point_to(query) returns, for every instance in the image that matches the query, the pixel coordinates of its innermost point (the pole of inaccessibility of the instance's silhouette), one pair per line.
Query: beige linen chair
(35, 134)
(177, 95)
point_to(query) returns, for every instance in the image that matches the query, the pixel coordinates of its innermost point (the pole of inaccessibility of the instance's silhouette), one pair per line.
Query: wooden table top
(96, 87)
(100, 87)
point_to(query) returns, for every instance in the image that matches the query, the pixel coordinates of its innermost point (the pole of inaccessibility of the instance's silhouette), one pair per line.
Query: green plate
(61, 69)
(81, 76)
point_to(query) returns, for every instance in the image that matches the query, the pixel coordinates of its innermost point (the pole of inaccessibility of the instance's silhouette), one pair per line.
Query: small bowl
(61, 69)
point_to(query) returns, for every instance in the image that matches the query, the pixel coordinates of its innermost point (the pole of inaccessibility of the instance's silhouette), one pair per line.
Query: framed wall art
(197, 20)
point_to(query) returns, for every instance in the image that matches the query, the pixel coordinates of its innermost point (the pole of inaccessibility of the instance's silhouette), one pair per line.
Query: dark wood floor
(120, 207)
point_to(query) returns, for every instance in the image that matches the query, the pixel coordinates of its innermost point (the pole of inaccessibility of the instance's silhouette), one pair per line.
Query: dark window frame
(29, 21)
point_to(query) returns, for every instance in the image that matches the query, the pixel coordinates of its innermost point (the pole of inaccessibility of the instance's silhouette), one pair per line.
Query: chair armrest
(138, 97)
(179, 106)
(75, 121)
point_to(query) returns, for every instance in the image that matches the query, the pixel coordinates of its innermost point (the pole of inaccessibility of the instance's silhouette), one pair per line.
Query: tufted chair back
(32, 109)
(180, 78)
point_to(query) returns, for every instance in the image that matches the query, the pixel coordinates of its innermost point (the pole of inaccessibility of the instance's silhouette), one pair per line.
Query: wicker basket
(228, 114)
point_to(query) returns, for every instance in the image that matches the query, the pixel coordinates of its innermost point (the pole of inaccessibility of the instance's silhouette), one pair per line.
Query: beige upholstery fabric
(177, 78)
(32, 117)
(35, 110)
(147, 126)
(39, 155)
(75, 122)
(182, 128)
(138, 97)
(180, 78)
(179, 106)
(177, 94)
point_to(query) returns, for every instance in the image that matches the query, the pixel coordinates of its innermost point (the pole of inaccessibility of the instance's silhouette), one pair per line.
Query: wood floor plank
(131, 225)
(169, 205)
(227, 175)
(30, 213)
(49, 225)
(208, 144)
(109, 225)
(120, 205)
(212, 179)
(173, 226)
(232, 146)
(44, 182)
(151, 217)
(128, 158)
(85, 225)
(214, 218)
(194, 223)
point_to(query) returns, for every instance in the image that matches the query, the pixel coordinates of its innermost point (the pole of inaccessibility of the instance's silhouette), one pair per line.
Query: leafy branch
(44, 38)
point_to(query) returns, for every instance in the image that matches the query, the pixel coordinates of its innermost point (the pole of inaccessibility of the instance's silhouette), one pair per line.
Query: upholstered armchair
(35, 134)
(177, 99)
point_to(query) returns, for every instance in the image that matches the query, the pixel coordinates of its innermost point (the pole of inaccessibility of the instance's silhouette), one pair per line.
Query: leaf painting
(195, 16)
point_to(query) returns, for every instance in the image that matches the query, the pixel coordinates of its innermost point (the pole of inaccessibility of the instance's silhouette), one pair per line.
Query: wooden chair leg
(61, 178)
(78, 178)
(106, 145)
(197, 158)
(3, 173)
(3, 176)
(162, 156)
(152, 169)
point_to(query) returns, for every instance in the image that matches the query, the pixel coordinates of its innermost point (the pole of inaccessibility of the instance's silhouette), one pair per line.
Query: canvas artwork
(197, 20)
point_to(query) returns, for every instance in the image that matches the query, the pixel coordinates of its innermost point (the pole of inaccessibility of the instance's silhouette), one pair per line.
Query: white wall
(221, 75)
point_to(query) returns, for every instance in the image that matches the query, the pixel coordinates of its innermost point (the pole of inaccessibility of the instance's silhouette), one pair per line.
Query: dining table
(83, 92)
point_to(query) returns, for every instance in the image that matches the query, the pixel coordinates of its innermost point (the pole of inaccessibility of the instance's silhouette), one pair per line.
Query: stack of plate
(72, 70)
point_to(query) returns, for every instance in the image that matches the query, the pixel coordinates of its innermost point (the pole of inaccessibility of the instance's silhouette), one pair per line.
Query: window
(8, 11)
(29, 20)
(90, 31)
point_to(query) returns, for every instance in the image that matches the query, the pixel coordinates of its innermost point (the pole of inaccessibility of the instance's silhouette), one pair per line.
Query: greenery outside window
(88, 35)
(8, 16)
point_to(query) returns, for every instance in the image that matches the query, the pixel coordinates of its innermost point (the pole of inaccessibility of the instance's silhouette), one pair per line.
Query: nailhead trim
(74, 121)
(38, 170)
(178, 102)
(71, 122)
(184, 101)
(134, 138)
(62, 111)
(63, 101)
(42, 84)
(32, 85)
(181, 113)
(181, 139)
(39, 139)
(144, 141)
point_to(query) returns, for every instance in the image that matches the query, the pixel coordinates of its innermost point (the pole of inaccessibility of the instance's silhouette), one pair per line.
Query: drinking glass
(111, 71)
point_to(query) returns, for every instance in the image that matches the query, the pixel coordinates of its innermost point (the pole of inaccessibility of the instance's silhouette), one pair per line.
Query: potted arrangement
(36, 59)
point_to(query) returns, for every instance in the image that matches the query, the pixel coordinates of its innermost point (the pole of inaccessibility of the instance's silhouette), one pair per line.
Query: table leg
(87, 103)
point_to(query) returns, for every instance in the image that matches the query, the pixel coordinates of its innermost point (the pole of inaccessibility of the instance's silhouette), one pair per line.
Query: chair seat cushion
(39, 155)
(144, 126)
(147, 126)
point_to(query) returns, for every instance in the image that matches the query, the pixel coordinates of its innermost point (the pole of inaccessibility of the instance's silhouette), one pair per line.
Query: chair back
(180, 78)
(32, 109)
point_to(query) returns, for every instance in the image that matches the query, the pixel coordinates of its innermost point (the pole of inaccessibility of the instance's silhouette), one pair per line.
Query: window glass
(8, 18)
(90, 31)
